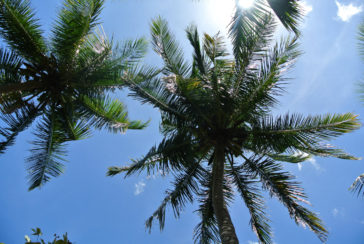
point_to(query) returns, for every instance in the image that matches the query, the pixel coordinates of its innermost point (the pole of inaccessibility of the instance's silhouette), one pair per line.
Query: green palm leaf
(16, 123)
(254, 202)
(75, 21)
(280, 185)
(47, 155)
(106, 113)
(165, 45)
(20, 29)
(185, 185)
(358, 184)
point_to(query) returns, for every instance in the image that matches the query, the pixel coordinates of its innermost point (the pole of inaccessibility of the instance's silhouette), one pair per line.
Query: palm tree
(219, 136)
(61, 84)
(358, 184)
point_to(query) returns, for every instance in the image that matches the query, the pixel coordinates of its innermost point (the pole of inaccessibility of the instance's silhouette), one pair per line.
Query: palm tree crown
(62, 82)
(218, 131)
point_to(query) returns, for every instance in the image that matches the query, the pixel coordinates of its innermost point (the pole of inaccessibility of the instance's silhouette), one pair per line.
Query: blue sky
(93, 208)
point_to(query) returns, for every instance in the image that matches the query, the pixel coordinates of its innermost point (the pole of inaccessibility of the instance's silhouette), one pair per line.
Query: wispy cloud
(346, 11)
(307, 8)
(312, 160)
(338, 212)
(139, 187)
(335, 212)
(253, 242)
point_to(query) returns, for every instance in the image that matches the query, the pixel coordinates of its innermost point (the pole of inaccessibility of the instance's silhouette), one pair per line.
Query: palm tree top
(218, 131)
(63, 80)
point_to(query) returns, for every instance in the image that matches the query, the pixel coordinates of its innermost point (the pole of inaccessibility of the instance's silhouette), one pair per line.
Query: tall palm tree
(219, 136)
(60, 83)
(358, 184)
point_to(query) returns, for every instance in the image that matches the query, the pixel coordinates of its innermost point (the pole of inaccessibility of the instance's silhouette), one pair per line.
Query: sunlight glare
(246, 3)
(221, 12)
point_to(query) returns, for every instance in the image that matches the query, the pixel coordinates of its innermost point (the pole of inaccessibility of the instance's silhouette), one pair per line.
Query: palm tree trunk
(226, 227)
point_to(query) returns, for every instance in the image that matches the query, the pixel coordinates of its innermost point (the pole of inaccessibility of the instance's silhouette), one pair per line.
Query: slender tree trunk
(226, 227)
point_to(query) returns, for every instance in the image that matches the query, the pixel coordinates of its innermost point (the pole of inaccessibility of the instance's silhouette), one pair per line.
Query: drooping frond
(10, 63)
(164, 44)
(47, 155)
(185, 185)
(75, 21)
(289, 12)
(171, 154)
(206, 231)
(16, 123)
(106, 113)
(253, 201)
(74, 128)
(280, 185)
(20, 29)
(358, 185)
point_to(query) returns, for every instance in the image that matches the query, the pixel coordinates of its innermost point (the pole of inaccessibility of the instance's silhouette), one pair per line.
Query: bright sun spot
(221, 11)
(246, 3)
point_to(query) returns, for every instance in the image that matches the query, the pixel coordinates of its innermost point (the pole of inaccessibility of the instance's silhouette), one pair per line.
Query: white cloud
(312, 160)
(314, 163)
(307, 8)
(139, 187)
(346, 11)
(335, 212)
(338, 212)
(253, 242)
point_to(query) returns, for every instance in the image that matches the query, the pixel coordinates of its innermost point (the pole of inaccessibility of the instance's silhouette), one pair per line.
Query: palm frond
(296, 157)
(16, 123)
(327, 150)
(199, 60)
(20, 29)
(280, 185)
(10, 63)
(207, 230)
(254, 202)
(153, 91)
(106, 113)
(214, 47)
(249, 30)
(289, 12)
(297, 131)
(131, 51)
(164, 43)
(358, 185)
(171, 154)
(75, 21)
(184, 186)
(258, 94)
(74, 128)
(46, 157)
